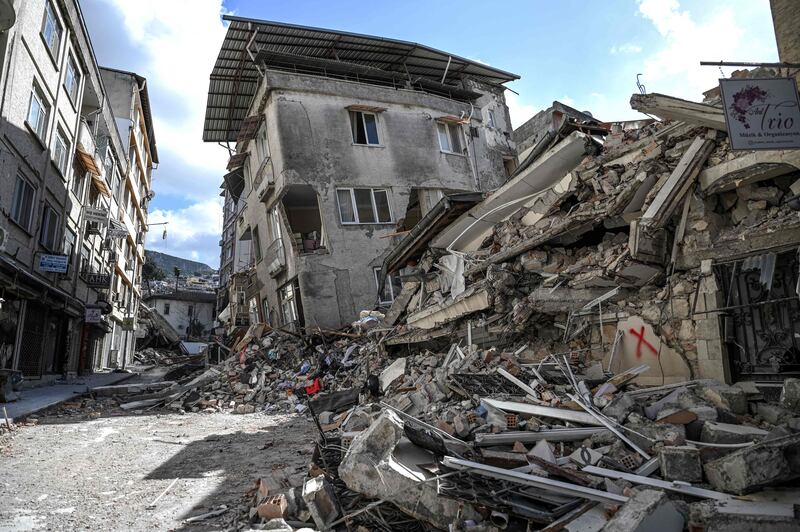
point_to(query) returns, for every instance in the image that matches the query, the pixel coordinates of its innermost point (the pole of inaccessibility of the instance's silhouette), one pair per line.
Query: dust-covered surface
(74, 473)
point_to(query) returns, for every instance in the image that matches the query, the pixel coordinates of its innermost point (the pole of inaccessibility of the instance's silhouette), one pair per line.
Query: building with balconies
(61, 207)
(339, 143)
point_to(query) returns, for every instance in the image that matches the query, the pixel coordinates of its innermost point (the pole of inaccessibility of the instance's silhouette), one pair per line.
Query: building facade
(190, 313)
(63, 161)
(334, 159)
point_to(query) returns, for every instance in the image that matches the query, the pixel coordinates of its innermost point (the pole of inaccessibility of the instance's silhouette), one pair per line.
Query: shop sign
(761, 114)
(98, 216)
(96, 280)
(53, 263)
(93, 315)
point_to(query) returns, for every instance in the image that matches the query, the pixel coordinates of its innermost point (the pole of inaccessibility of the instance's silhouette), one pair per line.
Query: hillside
(166, 263)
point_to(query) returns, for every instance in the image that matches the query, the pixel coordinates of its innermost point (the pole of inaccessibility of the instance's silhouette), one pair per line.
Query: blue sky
(583, 53)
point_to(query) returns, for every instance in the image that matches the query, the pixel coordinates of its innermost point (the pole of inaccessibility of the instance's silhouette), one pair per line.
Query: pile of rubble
(479, 440)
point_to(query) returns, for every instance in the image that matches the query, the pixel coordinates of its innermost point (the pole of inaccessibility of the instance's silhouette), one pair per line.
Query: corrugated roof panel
(234, 79)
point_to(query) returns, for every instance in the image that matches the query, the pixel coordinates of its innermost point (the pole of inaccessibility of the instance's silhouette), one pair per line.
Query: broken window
(286, 295)
(391, 288)
(364, 206)
(301, 206)
(166, 309)
(449, 137)
(364, 127)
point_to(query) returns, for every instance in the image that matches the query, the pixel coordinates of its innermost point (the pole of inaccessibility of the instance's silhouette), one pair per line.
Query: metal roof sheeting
(234, 79)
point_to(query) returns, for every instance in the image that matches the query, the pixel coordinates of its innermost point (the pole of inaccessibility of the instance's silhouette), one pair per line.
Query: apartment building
(339, 144)
(63, 163)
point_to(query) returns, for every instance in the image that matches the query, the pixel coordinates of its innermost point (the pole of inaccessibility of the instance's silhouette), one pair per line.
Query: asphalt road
(74, 473)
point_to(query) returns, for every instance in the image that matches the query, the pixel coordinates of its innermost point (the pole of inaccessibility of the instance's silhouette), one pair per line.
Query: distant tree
(151, 272)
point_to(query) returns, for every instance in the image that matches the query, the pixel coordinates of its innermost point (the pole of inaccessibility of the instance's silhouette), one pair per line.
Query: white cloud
(519, 110)
(181, 39)
(736, 30)
(191, 232)
(566, 100)
(627, 48)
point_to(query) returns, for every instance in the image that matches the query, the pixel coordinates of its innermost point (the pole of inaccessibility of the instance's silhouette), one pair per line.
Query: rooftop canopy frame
(235, 77)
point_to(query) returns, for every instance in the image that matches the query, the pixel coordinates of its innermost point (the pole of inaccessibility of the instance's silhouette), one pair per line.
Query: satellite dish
(7, 14)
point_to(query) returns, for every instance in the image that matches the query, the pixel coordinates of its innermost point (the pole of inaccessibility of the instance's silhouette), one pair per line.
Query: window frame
(353, 125)
(76, 77)
(256, 244)
(454, 131)
(166, 309)
(61, 138)
(354, 207)
(490, 119)
(41, 127)
(14, 217)
(389, 278)
(50, 10)
(51, 226)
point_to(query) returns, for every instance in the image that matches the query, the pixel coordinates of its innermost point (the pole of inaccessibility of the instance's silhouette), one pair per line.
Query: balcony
(86, 137)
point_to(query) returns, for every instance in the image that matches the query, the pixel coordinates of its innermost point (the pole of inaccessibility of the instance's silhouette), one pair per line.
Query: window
(191, 310)
(48, 236)
(364, 206)
(72, 80)
(166, 309)
(51, 29)
(364, 127)
(78, 178)
(261, 142)
(22, 207)
(449, 137)
(391, 288)
(61, 151)
(257, 243)
(38, 112)
(288, 304)
(490, 118)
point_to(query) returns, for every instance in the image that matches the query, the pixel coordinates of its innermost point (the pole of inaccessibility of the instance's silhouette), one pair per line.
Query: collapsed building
(339, 142)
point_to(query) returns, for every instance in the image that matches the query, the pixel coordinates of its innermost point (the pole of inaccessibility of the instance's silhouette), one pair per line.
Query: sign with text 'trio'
(761, 114)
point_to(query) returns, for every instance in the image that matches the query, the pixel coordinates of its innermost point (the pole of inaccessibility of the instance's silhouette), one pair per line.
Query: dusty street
(101, 474)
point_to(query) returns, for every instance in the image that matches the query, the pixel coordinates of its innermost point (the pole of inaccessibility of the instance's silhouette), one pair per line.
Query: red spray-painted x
(640, 335)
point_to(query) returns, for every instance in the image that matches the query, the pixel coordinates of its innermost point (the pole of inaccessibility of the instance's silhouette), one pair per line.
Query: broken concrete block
(772, 413)
(754, 467)
(667, 433)
(724, 396)
(681, 463)
(396, 370)
(620, 407)
(276, 525)
(715, 432)
(739, 516)
(381, 464)
(646, 511)
(321, 500)
(790, 395)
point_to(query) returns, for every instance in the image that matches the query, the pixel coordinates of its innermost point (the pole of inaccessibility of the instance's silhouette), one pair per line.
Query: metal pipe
(556, 486)
(508, 438)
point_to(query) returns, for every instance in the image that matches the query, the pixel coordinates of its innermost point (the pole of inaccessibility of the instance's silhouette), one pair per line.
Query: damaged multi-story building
(75, 187)
(340, 143)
